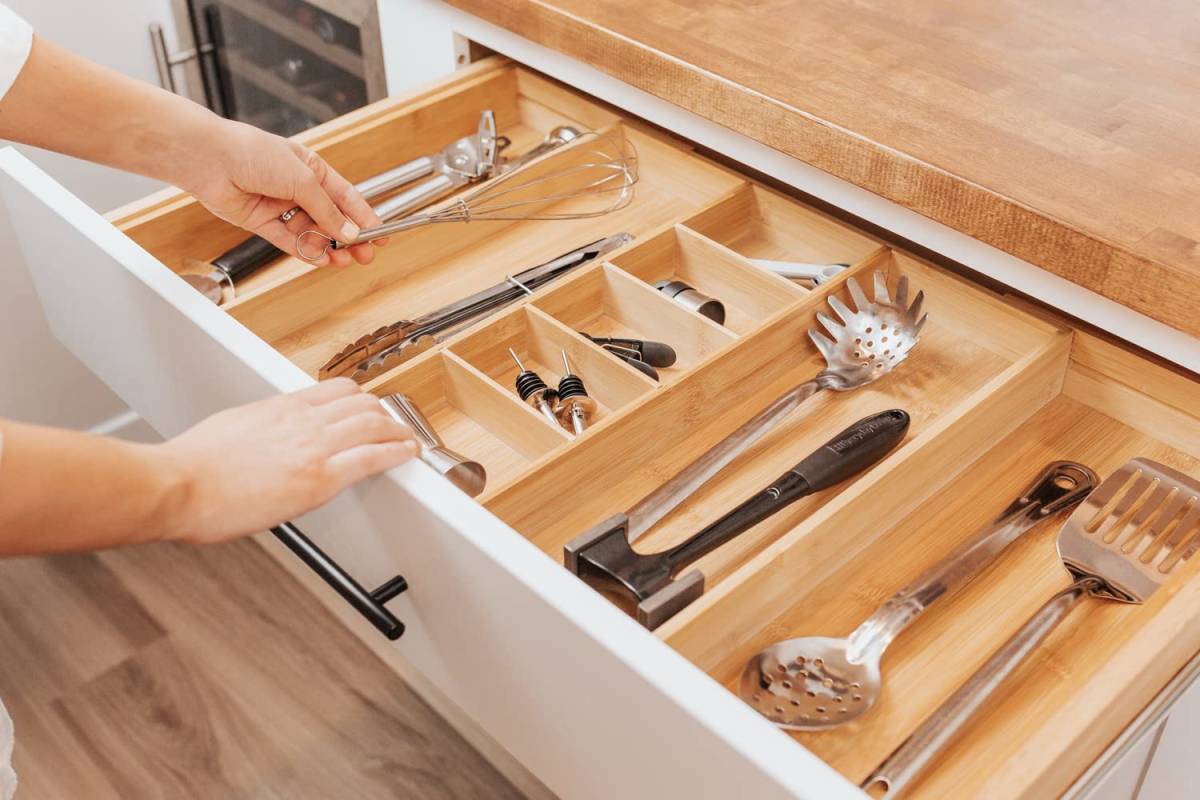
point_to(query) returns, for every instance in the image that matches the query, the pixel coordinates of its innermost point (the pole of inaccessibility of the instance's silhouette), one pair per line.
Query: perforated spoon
(1139, 526)
(867, 344)
(817, 682)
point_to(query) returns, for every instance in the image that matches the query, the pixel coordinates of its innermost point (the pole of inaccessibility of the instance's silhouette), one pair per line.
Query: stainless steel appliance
(282, 65)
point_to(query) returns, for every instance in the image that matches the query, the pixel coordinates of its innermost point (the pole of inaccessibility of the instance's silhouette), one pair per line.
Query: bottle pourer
(574, 405)
(534, 391)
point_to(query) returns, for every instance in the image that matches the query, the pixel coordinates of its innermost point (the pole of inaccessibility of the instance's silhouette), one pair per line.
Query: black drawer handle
(369, 604)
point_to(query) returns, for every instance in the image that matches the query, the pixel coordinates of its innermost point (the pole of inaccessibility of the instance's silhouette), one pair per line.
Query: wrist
(172, 512)
(201, 148)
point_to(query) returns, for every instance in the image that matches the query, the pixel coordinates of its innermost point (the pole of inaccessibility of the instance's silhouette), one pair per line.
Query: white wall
(417, 47)
(40, 381)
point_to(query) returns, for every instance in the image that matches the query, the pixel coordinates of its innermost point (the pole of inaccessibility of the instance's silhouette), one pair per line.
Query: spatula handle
(903, 767)
(1060, 486)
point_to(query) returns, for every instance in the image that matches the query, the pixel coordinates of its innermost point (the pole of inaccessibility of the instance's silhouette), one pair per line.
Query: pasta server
(863, 344)
(1129, 537)
(818, 682)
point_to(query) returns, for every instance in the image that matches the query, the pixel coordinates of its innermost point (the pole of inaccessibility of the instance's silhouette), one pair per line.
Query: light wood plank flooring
(168, 671)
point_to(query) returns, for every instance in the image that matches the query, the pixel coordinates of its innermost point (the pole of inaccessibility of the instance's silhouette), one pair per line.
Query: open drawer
(592, 703)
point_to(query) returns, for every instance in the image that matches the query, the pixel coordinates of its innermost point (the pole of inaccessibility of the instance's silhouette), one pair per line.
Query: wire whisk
(591, 177)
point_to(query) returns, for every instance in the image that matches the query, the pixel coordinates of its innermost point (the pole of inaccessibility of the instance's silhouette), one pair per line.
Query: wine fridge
(282, 65)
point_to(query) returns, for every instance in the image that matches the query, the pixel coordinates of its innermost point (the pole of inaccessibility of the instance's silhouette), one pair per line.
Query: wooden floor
(175, 672)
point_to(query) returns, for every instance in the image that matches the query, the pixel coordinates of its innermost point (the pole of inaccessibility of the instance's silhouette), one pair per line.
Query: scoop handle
(897, 774)
(853, 450)
(1060, 486)
(850, 452)
(246, 257)
(668, 496)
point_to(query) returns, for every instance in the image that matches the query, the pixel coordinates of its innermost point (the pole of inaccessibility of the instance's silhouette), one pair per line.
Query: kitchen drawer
(592, 703)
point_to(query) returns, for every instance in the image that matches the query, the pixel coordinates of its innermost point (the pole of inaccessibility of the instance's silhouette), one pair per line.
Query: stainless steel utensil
(465, 160)
(693, 300)
(867, 344)
(816, 274)
(818, 682)
(468, 475)
(1123, 543)
(591, 176)
(394, 344)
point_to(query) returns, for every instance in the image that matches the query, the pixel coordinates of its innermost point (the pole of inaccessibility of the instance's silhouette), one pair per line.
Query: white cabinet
(1171, 771)
(592, 703)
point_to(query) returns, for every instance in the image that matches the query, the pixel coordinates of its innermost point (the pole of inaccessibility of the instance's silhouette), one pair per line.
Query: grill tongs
(400, 341)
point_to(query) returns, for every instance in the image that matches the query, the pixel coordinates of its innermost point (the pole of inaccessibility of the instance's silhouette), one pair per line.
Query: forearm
(62, 491)
(129, 124)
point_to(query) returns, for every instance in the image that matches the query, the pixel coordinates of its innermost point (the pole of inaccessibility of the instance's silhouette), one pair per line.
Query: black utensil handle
(850, 452)
(656, 354)
(640, 366)
(242, 259)
(369, 604)
(853, 450)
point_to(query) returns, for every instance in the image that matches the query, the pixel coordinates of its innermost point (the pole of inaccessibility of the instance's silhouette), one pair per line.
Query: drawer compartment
(1081, 686)
(608, 302)
(474, 416)
(994, 389)
(540, 341)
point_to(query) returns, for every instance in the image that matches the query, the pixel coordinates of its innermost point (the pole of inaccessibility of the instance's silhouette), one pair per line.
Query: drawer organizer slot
(607, 302)
(539, 342)
(994, 391)
(748, 293)
(758, 223)
(474, 415)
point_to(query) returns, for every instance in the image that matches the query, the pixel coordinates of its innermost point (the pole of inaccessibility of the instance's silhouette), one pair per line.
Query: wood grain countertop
(1066, 133)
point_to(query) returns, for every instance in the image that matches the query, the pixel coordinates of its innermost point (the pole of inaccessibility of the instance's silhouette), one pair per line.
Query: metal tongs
(468, 160)
(400, 341)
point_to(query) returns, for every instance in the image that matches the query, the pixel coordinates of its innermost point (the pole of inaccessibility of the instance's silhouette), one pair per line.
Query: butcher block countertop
(1064, 133)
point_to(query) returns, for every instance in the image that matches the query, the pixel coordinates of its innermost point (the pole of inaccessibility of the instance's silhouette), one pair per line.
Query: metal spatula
(1122, 544)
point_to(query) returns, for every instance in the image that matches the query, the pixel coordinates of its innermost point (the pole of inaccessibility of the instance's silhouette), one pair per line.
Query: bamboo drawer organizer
(994, 389)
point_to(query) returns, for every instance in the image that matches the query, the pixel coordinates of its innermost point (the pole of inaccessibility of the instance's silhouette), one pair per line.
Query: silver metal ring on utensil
(313, 257)
(287, 215)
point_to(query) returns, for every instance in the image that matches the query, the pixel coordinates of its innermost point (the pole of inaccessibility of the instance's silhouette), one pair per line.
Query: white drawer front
(589, 701)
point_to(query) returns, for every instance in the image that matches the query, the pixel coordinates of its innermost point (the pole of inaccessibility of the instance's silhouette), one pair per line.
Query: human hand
(249, 177)
(248, 468)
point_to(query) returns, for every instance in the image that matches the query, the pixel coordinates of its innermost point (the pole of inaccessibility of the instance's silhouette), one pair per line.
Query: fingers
(351, 406)
(351, 202)
(309, 192)
(330, 391)
(367, 428)
(351, 466)
(301, 222)
(347, 198)
(277, 233)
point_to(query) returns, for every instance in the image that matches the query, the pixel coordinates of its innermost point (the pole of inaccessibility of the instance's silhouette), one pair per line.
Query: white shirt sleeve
(16, 38)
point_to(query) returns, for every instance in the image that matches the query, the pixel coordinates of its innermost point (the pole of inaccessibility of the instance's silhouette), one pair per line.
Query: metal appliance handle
(166, 61)
(368, 603)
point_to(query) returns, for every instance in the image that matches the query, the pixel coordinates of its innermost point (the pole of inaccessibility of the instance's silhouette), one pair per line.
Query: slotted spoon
(869, 342)
(1122, 544)
(817, 682)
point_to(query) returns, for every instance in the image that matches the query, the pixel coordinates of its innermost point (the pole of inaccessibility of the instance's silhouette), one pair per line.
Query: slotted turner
(1121, 544)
